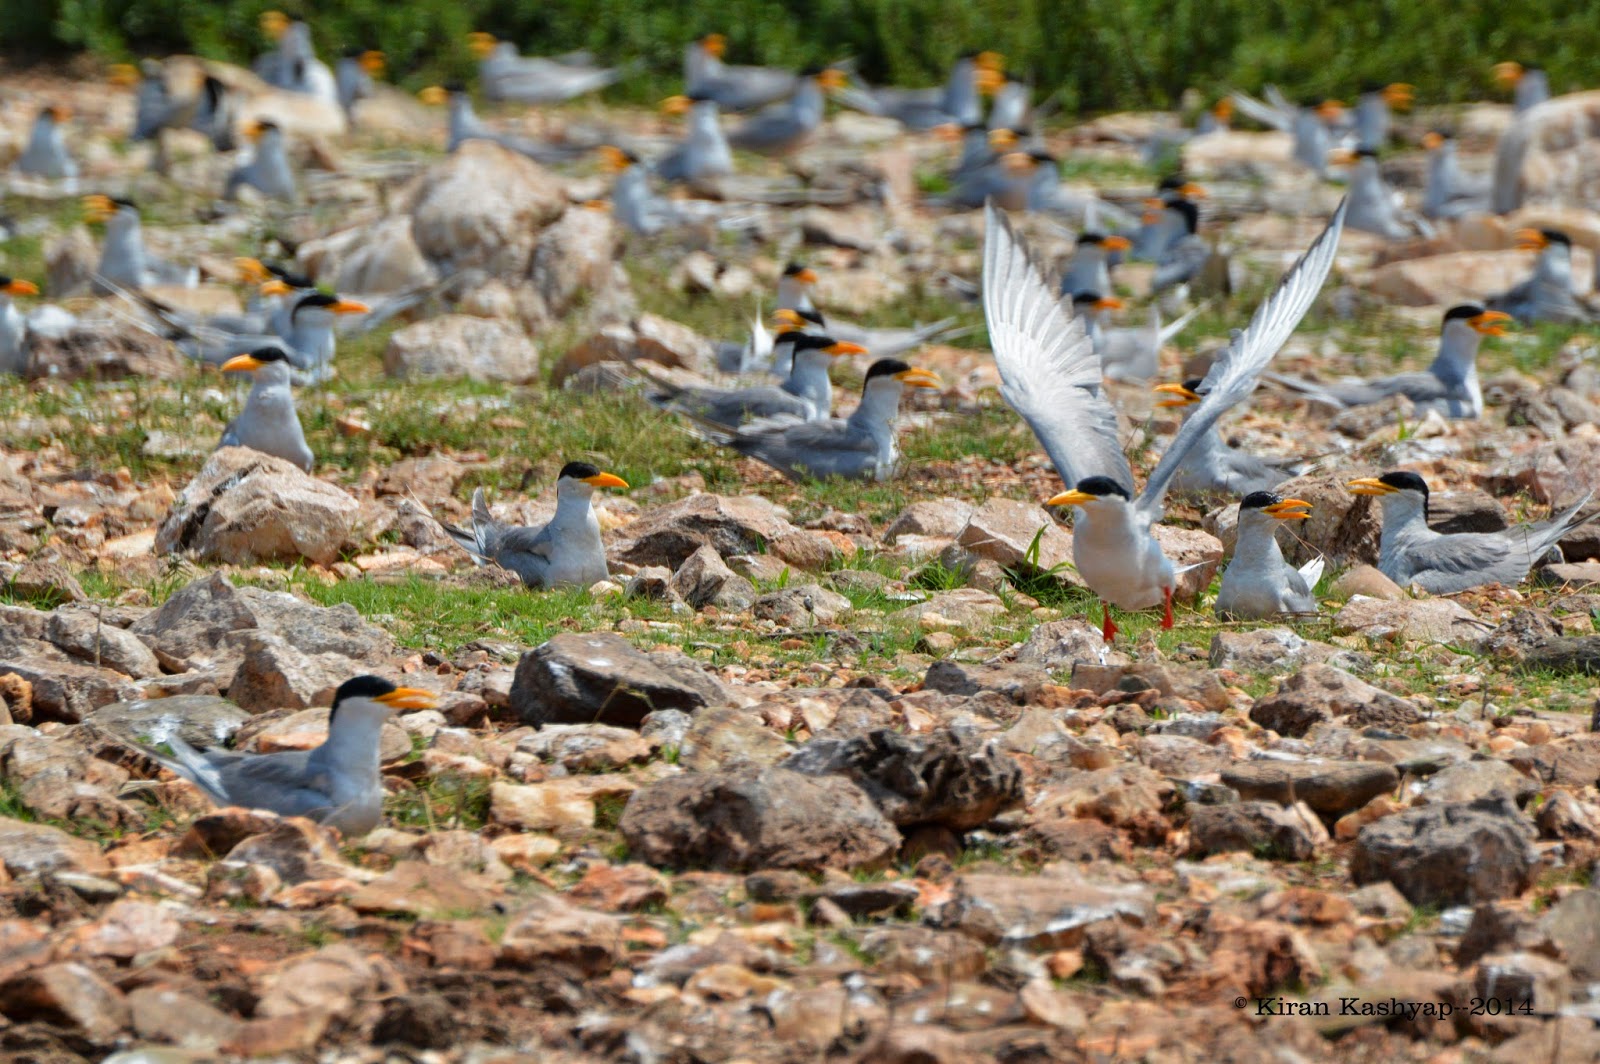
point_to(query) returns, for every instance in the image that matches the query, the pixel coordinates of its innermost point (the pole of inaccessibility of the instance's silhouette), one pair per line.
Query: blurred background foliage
(1098, 54)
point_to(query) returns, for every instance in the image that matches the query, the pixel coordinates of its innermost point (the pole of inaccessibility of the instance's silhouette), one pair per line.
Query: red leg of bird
(1166, 617)
(1108, 627)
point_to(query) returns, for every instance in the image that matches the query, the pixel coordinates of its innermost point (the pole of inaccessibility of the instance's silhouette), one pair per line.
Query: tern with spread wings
(1050, 374)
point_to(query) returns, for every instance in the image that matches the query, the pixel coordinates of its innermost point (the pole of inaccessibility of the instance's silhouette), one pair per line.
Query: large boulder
(576, 258)
(757, 818)
(203, 622)
(1460, 853)
(381, 257)
(484, 206)
(602, 678)
(245, 507)
(460, 345)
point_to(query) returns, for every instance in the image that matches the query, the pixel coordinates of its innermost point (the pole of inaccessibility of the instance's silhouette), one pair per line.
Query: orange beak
(1184, 397)
(715, 44)
(1490, 322)
(1116, 243)
(408, 698)
(349, 306)
(20, 288)
(606, 480)
(1508, 73)
(1432, 141)
(1108, 303)
(845, 347)
(1531, 240)
(1288, 510)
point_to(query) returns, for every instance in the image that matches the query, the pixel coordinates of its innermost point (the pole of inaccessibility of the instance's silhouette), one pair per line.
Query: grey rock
(602, 678)
(1272, 649)
(1429, 620)
(1320, 693)
(1444, 855)
(199, 720)
(80, 633)
(201, 625)
(757, 818)
(668, 535)
(63, 689)
(1470, 780)
(1264, 828)
(1580, 654)
(1332, 788)
(954, 781)
(245, 507)
(1572, 762)
(1066, 643)
(941, 518)
(27, 848)
(801, 607)
(462, 345)
(704, 579)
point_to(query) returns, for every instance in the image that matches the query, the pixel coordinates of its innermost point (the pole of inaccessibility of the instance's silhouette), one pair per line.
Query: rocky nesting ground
(825, 772)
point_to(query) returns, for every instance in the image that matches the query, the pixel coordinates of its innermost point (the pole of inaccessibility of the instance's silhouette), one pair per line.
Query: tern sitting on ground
(337, 784)
(1258, 583)
(46, 154)
(1549, 294)
(268, 423)
(1050, 374)
(1409, 552)
(1449, 385)
(124, 262)
(566, 552)
(860, 447)
(13, 326)
(806, 394)
(268, 171)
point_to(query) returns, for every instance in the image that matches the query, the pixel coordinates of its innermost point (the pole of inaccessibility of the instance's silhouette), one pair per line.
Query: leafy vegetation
(1095, 55)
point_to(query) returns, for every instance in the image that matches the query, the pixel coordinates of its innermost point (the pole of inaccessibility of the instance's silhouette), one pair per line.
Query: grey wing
(1049, 372)
(1264, 113)
(1467, 560)
(527, 552)
(1182, 263)
(285, 783)
(818, 449)
(767, 130)
(1235, 373)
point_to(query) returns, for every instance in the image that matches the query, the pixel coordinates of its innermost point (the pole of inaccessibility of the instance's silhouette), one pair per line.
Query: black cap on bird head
(1403, 481)
(887, 367)
(1463, 311)
(794, 269)
(270, 354)
(1172, 183)
(1103, 487)
(373, 687)
(1556, 236)
(454, 87)
(578, 471)
(1365, 152)
(1260, 500)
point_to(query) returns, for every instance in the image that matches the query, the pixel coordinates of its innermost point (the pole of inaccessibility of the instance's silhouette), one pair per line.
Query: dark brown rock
(1332, 788)
(1321, 693)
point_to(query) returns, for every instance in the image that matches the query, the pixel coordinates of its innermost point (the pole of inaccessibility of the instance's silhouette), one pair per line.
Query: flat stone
(1273, 649)
(31, 848)
(1332, 788)
(1469, 781)
(1048, 911)
(462, 346)
(1429, 620)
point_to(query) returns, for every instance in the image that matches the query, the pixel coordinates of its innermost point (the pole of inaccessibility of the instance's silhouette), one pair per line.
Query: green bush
(1098, 54)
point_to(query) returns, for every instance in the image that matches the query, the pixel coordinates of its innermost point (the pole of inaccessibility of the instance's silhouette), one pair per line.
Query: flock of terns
(1047, 328)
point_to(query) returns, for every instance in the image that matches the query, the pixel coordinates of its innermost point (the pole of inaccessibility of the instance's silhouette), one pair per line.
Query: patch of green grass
(444, 801)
